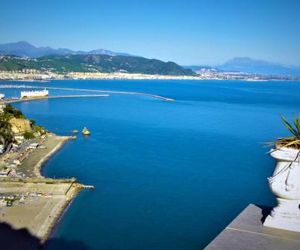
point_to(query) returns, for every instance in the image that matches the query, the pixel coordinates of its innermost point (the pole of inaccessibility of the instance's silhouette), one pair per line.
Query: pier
(52, 97)
(89, 90)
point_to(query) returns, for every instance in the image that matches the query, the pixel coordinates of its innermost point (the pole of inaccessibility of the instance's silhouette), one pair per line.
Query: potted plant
(285, 182)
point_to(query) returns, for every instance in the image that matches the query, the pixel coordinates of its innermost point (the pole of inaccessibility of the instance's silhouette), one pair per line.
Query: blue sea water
(168, 175)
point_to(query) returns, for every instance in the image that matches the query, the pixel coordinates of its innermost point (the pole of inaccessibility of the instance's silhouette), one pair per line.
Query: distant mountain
(25, 49)
(93, 63)
(248, 65)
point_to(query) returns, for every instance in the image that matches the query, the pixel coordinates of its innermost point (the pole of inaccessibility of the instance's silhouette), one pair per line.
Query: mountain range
(238, 64)
(93, 63)
(252, 66)
(248, 65)
(25, 49)
(23, 55)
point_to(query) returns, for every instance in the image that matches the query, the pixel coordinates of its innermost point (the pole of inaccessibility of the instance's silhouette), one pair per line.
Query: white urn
(285, 184)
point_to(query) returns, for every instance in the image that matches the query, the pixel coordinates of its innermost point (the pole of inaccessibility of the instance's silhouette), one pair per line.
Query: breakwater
(88, 90)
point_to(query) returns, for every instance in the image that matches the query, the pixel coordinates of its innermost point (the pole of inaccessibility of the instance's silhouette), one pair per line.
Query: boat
(85, 131)
(75, 131)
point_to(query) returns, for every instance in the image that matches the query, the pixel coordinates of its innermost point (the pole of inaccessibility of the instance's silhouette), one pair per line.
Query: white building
(2, 96)
(35, 93)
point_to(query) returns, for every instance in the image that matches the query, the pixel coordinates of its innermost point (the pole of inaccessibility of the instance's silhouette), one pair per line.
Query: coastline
(39, 165)
(57, 220)
(48, 199)
(57, 217)
(44, 76)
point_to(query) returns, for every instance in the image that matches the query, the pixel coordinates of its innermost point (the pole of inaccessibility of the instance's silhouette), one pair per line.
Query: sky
(189, 32)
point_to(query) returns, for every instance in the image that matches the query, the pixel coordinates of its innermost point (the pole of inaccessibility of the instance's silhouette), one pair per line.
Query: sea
(168, 175)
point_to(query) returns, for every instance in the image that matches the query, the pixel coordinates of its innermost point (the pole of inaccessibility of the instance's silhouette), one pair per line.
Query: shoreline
(57, 220)
(59, 215)
(47, 199)
(39, 166)
(44, 76)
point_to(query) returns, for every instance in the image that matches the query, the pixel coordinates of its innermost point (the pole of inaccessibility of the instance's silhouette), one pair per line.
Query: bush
(6, 134)
(10, 110)
(32, 122)
(29, 135)
(39, 129)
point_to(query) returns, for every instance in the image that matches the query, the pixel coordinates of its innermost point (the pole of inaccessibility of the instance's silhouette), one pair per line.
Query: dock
(246, 232)
(103, 92)
(53, 97)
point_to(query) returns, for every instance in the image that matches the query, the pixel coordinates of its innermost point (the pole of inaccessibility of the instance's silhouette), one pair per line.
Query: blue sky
(185, 31)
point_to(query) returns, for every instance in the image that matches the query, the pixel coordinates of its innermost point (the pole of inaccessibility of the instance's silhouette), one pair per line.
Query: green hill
(94, 63)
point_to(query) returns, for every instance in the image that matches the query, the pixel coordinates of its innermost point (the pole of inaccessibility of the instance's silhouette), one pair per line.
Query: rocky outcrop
(20, 126)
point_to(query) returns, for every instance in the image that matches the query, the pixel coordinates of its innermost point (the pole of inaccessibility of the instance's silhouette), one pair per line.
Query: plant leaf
(288, 126)
(297, 125)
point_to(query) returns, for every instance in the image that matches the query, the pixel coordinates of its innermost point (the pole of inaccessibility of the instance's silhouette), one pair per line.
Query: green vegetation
(94, 63)
(294, 128)
(10, 112)
(29, 135)
(38, 129)
(32, 122)
(6, 133)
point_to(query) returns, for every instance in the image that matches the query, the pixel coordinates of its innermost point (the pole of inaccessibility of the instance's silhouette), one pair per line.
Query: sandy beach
(32, 164)
(39, 202)
(43, 207)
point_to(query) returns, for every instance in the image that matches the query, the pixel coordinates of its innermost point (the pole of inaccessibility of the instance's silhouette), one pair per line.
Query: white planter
(285, 184)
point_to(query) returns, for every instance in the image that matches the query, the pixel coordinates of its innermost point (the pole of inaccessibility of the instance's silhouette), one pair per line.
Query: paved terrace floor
(246, 232)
